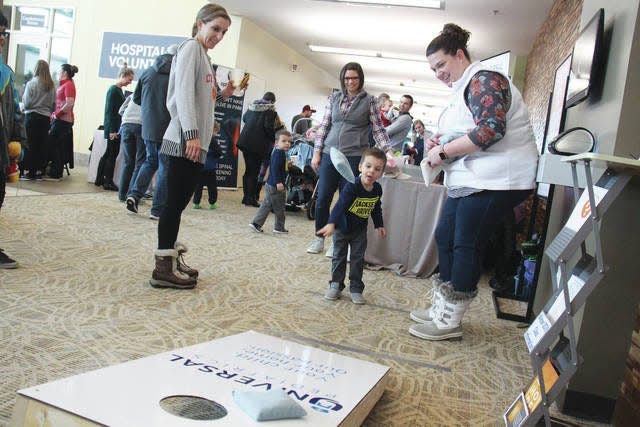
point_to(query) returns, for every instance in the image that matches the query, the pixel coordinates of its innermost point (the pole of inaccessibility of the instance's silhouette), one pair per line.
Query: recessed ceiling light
(428, 4)
(367, 53)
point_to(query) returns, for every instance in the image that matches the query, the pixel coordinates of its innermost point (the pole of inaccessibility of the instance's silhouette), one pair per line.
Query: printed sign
(228, 117)
(536, 331)
(516, 413)
(33, 20)
(327, 385)
(137, 50)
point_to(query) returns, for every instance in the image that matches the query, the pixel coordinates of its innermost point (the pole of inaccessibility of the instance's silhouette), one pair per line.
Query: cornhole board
(334, 390)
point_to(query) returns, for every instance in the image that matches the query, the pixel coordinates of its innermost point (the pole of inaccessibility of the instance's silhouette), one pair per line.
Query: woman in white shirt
(489, 170)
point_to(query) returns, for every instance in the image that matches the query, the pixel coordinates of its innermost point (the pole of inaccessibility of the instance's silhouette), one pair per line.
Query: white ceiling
(496, 26)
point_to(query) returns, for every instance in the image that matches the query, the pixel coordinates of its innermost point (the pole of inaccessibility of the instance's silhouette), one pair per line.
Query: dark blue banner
(228, 117)
(137, 50)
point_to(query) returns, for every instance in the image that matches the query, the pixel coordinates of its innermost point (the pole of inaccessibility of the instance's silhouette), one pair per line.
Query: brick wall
(554, 42)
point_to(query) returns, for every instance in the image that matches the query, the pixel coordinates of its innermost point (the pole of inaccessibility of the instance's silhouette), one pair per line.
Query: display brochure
(517, 412)
(582, 210)
(551, 312)
(536, 330)
(574, 284)
(532, 395)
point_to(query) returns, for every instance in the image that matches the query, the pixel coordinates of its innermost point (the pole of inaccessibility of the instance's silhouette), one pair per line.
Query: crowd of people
(166, 129)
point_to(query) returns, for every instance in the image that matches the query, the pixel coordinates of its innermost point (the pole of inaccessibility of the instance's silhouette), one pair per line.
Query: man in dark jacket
(11, 126)
(256, 141)
(151, 95)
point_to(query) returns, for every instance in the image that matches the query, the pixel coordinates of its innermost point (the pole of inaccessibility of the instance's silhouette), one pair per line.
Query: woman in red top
(60, 132)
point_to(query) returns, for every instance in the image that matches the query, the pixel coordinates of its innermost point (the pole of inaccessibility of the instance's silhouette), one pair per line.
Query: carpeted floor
(80, 301)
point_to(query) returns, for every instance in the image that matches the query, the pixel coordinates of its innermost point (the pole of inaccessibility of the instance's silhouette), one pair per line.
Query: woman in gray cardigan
(191, 101)
(39, 100)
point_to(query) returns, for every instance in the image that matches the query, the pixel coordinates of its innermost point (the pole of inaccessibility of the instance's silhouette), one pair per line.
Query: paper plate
(429, 173)
(341, 164)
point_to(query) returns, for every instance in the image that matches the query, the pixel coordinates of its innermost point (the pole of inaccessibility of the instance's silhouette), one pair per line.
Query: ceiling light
(428, 4)
(367, 53)
(399, 85)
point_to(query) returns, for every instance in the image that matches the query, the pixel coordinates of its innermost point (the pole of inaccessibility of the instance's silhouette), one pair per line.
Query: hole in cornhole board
(193, 407)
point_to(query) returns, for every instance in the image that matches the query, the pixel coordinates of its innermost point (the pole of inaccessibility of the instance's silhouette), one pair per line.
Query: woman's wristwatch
(442, 154)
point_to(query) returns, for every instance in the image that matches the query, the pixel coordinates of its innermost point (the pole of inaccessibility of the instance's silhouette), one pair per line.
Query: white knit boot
(448, 313)
(424, 315)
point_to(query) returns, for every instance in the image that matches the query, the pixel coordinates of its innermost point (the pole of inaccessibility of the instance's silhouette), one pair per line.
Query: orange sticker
(586, 209)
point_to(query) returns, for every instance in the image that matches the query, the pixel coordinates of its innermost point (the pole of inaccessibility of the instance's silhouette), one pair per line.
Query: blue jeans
(329, 180)
(160, 189)
(148, 168)
(465, 227)
(134, 153)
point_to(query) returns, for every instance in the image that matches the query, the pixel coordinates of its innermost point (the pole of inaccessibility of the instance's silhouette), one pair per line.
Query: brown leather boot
(166, 275)
(182, 249)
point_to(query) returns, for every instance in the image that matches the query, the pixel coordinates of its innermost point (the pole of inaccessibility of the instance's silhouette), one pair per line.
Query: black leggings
(207, 178)
(37, 127)
(182, 176)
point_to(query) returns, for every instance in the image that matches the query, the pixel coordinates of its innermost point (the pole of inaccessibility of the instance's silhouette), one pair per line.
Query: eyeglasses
(4, 33)
(352, 78)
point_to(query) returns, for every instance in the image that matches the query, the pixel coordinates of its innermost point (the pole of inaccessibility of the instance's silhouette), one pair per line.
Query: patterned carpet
(81, 301)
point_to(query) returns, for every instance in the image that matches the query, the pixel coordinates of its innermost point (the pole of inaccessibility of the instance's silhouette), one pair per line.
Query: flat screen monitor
(587, 55)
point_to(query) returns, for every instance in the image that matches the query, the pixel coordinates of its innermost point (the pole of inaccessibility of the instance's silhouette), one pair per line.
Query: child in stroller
(302, 179)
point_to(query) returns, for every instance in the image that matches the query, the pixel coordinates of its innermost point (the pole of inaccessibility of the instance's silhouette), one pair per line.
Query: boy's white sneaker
(316, 246)
(334, 291)
(329, 253)
(357, 298)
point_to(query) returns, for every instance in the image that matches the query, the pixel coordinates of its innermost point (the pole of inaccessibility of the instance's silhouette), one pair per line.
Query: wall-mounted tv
(586, 60)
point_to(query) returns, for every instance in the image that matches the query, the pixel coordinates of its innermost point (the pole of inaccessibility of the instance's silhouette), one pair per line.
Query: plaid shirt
(379, 134)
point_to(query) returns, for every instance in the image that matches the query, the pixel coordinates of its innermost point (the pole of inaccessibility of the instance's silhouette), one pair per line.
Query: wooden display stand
(554, 357)
(334, 390)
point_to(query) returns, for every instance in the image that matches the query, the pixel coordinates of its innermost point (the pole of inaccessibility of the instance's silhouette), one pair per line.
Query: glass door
(24, 52)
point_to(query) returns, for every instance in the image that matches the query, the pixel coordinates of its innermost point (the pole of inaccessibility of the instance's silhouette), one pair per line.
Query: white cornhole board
(334, 390)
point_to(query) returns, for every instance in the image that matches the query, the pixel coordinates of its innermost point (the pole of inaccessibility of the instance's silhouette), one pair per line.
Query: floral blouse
(488, 97)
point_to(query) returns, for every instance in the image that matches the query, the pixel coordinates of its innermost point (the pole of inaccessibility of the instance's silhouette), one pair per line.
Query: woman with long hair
(39, 100)
(61, 129)
(191, 102)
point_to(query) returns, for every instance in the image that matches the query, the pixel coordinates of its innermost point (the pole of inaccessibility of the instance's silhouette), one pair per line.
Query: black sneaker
(132, 204)
(280, 231)
(6, 262)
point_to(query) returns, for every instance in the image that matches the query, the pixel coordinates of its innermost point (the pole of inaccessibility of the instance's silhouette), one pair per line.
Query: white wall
(268, 58)
(93, 18)
(245, 46)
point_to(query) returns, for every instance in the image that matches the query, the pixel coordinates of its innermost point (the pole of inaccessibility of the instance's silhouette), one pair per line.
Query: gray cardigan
(190, 100)
(38, 100)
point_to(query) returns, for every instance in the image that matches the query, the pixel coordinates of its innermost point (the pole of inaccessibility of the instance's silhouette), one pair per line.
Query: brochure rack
(572, 285)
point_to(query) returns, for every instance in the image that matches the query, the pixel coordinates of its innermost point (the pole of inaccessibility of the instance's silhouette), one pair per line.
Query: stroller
(302, 180)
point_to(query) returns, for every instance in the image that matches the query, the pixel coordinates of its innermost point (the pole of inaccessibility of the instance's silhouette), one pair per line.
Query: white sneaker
(316, 246)
(329, 253)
